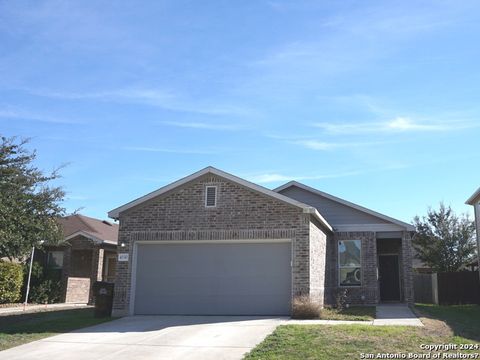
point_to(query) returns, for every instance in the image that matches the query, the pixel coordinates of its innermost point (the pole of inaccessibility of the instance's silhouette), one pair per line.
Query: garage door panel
(213, 279)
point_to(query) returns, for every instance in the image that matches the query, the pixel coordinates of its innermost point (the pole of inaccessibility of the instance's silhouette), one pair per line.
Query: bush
(48, 291)
(304, 308)
(341, 299)
(45, 284)
(11, 280)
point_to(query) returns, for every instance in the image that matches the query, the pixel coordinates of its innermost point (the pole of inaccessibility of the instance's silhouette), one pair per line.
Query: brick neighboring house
(474, 200)
(88, 255)
(215, 244)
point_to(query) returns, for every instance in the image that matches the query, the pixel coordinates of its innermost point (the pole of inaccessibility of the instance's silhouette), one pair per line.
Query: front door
(389, 277)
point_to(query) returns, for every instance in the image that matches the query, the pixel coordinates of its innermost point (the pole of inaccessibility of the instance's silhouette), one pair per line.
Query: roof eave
(314, 212)
(86, 235)
(474, 198)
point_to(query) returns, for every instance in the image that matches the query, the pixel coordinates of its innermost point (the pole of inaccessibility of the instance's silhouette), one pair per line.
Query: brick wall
(82, 265)
(370, 285)
(318, 253)
(77, 290)
(240, 214)
(367, 293)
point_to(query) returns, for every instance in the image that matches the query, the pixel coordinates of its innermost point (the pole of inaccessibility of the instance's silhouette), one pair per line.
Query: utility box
(103, 297)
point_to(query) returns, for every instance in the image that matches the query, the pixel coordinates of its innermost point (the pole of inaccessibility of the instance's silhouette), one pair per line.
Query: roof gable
(337, 211)
(95, 229)
(115, 213)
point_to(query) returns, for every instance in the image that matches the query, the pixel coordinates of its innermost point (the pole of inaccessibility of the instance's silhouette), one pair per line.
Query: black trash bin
(103, 297)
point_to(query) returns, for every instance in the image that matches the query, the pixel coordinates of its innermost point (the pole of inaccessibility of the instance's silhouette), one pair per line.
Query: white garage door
(225, 278)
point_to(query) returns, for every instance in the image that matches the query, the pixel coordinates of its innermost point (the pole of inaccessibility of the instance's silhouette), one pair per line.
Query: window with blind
(211, 196)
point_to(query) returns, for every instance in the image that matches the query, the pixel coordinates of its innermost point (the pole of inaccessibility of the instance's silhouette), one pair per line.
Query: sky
(376, 102)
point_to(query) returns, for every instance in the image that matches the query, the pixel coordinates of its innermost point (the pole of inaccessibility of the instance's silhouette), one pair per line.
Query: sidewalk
(40, 308)
(387, 314)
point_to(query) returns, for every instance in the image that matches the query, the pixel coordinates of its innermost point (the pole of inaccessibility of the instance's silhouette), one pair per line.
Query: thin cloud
(396, 125)
(202, 125)
(77, 197)
(153, 97)
(29, 116)
(277, 177)
(167, 150)
(325, 146)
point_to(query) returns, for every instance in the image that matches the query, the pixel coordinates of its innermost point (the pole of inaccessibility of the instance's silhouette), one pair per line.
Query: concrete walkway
(387, 314)
(396, 314)
(39, 308)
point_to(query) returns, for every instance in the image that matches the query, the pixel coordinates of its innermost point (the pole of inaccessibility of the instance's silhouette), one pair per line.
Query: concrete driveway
(154, 337)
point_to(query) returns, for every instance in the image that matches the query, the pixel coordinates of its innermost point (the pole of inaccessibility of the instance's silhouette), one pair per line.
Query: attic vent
(210, 196)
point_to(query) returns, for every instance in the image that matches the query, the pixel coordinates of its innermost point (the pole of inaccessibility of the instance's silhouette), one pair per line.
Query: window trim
(339, 266)
(206, 196)
(49, 255)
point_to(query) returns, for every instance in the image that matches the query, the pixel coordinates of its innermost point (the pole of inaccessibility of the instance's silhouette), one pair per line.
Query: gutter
(314, 212)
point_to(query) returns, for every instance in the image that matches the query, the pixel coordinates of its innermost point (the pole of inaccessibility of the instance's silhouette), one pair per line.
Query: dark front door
(389, 278)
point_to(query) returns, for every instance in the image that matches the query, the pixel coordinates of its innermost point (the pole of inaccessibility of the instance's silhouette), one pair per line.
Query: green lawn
(460, 325)
(358, 313)
(23, 328)
(463, 320)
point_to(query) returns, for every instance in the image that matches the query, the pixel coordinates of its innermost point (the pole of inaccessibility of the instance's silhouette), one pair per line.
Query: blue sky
(374, 102)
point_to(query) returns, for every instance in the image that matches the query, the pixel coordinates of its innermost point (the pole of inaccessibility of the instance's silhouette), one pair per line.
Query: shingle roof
(99, 229)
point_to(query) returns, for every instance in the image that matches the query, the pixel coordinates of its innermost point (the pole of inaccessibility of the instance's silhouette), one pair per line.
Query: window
(55, 259)
(349, 262)
(210, 196)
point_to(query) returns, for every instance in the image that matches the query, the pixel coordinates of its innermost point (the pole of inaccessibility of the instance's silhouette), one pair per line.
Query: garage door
(227, 278)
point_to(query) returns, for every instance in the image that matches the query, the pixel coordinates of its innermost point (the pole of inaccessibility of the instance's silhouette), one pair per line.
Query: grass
(23, 328)
(463, 320)
(444, 325)
(358, 313)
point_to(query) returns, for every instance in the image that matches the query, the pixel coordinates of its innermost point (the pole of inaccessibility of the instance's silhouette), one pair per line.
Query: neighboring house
(215, 244)
(88, 254)
(474, 200)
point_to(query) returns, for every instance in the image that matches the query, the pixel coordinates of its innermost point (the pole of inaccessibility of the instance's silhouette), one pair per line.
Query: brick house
(88, 254)
(215, 244)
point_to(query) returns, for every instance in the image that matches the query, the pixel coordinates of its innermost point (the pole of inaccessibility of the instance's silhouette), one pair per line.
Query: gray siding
(334, 212)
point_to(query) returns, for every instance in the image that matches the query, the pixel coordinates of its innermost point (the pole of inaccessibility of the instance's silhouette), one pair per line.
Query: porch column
(66, 271)
(407, 268)
(97, 264)
(97, 268)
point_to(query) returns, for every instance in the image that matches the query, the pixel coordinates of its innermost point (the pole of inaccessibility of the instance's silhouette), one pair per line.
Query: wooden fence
(423, 288)
(447, 288)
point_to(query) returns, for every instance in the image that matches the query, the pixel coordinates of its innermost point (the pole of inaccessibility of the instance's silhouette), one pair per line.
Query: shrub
(45, 284)
(11, 280)
(341, 299)
(48, 291)
(304, 308)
